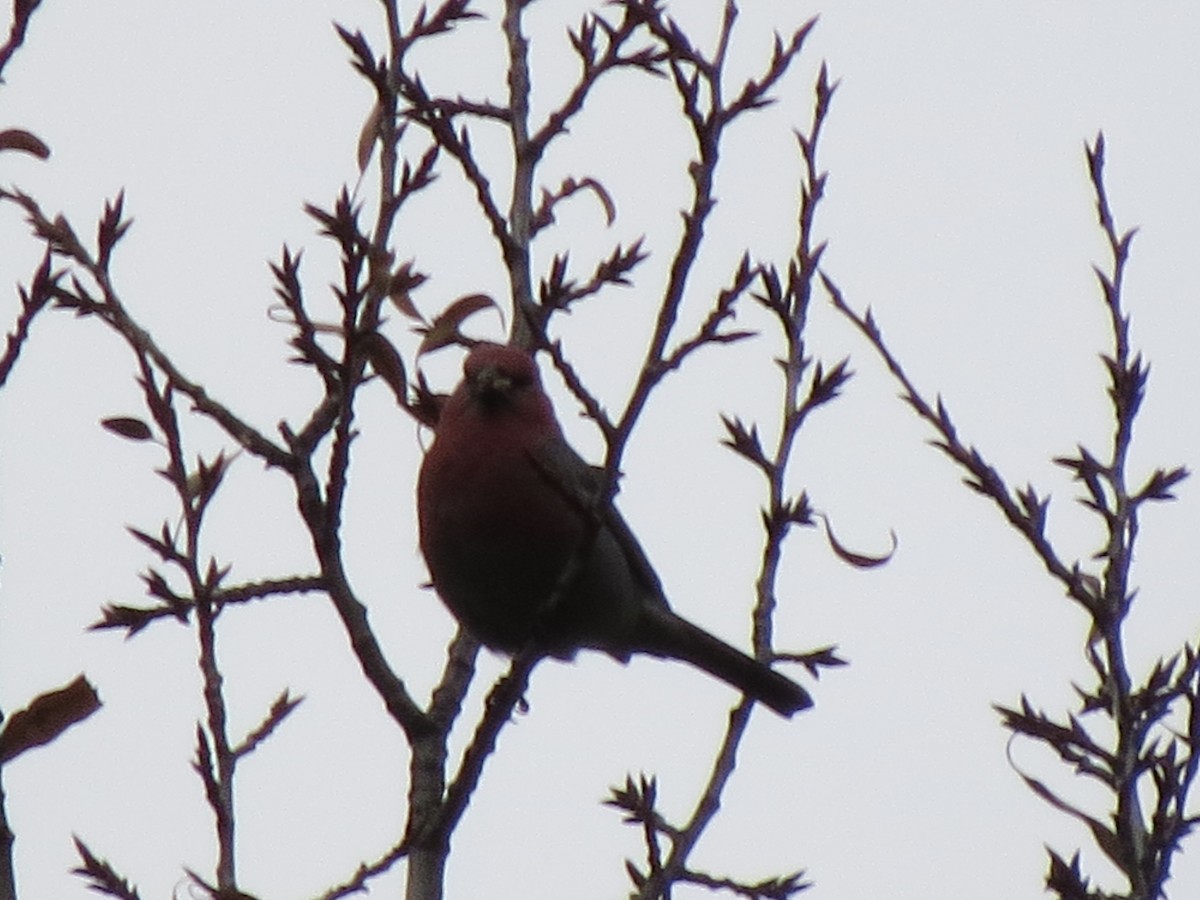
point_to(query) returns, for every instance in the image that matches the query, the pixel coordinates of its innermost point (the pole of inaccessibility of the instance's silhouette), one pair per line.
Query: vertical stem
(427, 779)
(214, 701)
(516, 250)
(1122, 532)
(8, 883)
(201, 586)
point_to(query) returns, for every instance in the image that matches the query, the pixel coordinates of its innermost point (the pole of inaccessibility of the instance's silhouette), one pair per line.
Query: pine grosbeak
(522, 555)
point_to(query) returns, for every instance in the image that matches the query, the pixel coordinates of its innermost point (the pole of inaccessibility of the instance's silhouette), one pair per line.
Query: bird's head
(499, 377)
(500, 385)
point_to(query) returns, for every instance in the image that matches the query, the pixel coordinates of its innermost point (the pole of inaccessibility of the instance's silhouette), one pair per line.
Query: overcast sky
(958, 208)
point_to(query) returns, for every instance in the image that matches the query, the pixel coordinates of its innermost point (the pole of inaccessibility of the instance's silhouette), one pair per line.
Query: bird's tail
(663, 633)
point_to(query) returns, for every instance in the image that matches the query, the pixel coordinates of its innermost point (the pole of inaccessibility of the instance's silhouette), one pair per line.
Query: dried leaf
(403, 281)
(48, 716)
(427, 407)
(368, 136)
(128, 427)
(24, 141)
(858, 560)
(387, 364)
(446, 328)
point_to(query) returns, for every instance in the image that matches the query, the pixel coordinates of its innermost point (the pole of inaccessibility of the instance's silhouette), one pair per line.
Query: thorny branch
(1148, 758)
(788, 302)
(639, 37)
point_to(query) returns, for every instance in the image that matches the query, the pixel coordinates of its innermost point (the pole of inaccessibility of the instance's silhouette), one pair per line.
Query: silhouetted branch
(1141, 757)
(789, 300)
(22, 12)
(33, 301)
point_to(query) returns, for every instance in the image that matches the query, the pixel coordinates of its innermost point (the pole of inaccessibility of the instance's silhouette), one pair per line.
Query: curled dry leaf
(602, 194)
(446, 328)
(25, 141)
(858, 560)
(48, 716)
(570, 186)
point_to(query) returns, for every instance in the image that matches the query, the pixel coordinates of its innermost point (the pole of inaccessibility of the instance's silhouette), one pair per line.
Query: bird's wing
(583, 485)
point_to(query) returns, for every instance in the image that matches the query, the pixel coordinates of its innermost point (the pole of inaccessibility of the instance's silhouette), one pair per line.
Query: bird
(525, 548)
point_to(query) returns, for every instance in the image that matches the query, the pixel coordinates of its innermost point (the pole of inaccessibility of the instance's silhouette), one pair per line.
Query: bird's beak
(491, 383)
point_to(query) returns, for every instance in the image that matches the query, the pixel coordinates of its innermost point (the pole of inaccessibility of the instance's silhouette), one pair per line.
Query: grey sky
(958, 209)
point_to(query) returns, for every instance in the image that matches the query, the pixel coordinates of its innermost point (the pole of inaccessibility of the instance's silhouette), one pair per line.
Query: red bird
(520, 553)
